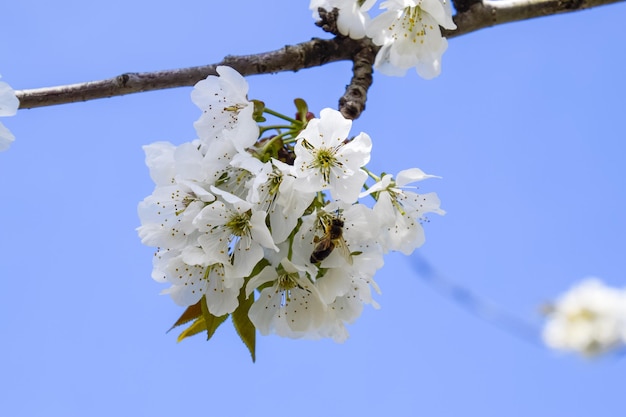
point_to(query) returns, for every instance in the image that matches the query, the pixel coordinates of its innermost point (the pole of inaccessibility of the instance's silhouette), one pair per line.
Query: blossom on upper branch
(589, 319)
(225, 105)
(8, 107)
(410, 36)
(353, 17)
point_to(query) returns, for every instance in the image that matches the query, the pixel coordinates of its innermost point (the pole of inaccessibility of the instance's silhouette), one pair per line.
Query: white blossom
(345, 277)
(410, 36)
(273, 190)
(167, 215)
(589, 319)
(225, 106)
(324, 161)
(232, 233)
(346, 308)
(8, 107)
(225, 211)
(400, 211)
(291, 306)
(353, 17)
(190, 282)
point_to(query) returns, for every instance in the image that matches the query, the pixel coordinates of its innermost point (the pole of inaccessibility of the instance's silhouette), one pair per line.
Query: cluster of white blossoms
(589, 319)
(239, 214)
(8, 107)
(408, 31)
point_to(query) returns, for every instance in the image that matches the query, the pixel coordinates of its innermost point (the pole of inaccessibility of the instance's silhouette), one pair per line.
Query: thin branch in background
(474, 304)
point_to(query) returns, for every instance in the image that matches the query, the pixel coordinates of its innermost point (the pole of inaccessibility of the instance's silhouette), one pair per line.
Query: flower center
(235, 108)
(239, 224)
(286, 283)
(275, 179)
(409, 24)
(324, 160)
(584, 315)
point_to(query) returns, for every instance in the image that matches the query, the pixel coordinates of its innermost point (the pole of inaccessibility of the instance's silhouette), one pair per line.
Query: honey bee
(331, 239)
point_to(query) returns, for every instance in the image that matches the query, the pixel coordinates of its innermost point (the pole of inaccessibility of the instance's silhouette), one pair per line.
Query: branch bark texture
(316, 52)
(487, 13)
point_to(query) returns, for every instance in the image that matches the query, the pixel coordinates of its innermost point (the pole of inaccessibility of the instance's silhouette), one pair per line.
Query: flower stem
(371, 175)
(276, 127)
(281, 116)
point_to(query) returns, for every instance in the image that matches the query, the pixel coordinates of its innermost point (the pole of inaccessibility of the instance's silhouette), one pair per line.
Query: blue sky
(525, 127)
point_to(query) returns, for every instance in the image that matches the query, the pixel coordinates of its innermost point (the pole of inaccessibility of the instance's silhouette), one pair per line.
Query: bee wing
(345, 251)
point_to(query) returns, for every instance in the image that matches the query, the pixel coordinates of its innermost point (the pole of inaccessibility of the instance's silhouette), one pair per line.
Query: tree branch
(487, 13)
(352, 103)
(309, 54)
(313, 53)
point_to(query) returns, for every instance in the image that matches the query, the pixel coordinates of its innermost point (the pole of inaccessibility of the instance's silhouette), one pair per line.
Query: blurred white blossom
(589, 319)
(8, 107)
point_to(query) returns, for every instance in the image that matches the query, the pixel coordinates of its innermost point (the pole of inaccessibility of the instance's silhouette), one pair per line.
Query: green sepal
(257, 113)
(211, 322)
(191, 313)
(196, 327)
(243, 325)
(302, 109)
(272, 151)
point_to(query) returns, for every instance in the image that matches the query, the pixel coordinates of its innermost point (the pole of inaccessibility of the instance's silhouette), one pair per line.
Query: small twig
(463, 5)
(352, 104)
(328, 20)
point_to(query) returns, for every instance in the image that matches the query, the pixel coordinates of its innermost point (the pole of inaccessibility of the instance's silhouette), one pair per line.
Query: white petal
(410, 175)
(222, 292)
(260, 232)
(246, 258)
(357, 152)
(160, 162)
(6, 138)
(238, 203)
(268, 274)
(8, 101)
(347, 189)
(189, 283)
(262, 313)
(232, 77)
(383, 184)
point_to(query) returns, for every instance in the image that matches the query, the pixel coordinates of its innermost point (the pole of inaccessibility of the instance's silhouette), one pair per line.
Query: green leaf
(191, 313)
(242, 323)
(212, 322)
(196, 327)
